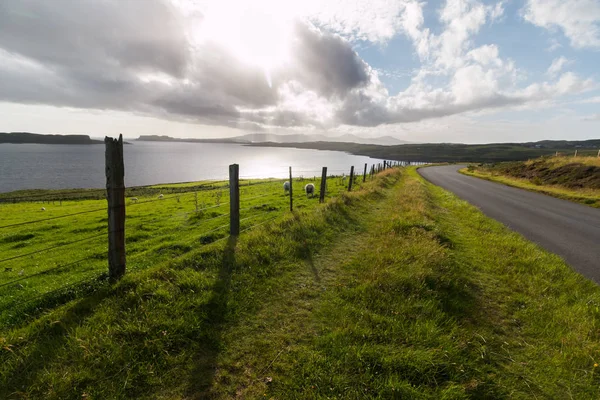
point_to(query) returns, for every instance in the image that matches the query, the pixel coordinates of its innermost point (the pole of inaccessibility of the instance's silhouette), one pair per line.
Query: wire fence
(43, 258)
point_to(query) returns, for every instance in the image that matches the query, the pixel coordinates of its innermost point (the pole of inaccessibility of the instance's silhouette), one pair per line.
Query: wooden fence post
(234, 200)
(323, 185)
(365, 174)
(115, 195)
(372, 171)
(351, 178)
(291, 192)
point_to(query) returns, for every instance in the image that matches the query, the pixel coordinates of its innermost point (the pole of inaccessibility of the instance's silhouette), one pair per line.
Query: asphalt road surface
(562, 227)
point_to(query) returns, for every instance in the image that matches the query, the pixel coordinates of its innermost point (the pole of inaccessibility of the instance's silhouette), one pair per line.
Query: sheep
(43, 208)
(309, 189)
(134, 199)
(286, 187)
(160, 196)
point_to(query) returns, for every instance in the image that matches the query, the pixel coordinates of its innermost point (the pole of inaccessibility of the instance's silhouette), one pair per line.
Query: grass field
(397, 290)
(53, 259)
(566, 177)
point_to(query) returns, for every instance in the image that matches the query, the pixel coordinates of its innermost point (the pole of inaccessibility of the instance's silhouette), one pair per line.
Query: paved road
(565, 228)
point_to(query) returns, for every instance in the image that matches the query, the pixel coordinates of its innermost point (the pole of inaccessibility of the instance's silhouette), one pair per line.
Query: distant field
(66, 251)
(571, 178)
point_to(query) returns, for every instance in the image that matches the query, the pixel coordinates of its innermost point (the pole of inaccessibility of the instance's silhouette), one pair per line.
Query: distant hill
(275, 138)
(448, 152)
(26, 137)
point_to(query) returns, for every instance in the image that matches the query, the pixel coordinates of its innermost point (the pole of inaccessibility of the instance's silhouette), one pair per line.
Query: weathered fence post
(372, 171)
(575, 153)
(291, 192)
(115, 195)
(323, 185)
(365, 174)
(234, 199)
(351, 178)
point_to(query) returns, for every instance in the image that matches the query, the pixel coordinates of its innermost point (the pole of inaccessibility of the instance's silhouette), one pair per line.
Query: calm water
(39, 166)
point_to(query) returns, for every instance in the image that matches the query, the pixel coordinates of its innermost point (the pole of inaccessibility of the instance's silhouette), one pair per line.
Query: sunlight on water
(37, 166)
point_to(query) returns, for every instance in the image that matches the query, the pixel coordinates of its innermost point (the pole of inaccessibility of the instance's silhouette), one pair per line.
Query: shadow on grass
(51, 338)
(308, 259)
(205, 362)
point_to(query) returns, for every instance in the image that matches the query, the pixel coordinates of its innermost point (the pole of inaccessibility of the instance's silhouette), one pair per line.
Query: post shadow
(201, 379)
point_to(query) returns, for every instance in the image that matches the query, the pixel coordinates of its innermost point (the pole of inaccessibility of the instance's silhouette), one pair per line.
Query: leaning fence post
(291, 192)
(115, 196)
(351, 178)
(323, 185)
(365, 174)
(234, 199)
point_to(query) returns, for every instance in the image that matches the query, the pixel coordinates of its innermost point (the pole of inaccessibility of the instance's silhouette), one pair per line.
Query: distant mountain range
(26, 137)
(275, 138)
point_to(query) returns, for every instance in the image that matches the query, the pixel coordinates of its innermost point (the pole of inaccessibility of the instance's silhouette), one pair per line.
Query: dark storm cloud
(326, 63)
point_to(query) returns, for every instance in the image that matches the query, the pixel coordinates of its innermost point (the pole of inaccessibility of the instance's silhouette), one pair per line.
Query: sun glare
(258, 34)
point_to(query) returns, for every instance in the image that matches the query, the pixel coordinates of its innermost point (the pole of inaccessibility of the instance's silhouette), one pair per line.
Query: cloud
(590, 100)
(594, 117)
(376, 21)
(557, 65)
(156, 58)
(579, 20)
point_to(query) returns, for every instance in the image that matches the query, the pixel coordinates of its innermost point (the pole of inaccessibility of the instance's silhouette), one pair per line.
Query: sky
(465, 71)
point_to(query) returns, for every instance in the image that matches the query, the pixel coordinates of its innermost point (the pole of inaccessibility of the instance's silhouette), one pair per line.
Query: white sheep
(43, 208)
(286, 186)
(160, 196)
(309, 189)
(134, 199)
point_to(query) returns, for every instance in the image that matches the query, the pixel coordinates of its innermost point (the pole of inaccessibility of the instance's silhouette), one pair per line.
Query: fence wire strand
(58, 267)
(52, 218)
(53, 247)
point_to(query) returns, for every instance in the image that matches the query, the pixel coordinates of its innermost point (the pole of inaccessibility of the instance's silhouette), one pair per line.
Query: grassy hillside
(448, 152)
(572, 178)
(398, 290)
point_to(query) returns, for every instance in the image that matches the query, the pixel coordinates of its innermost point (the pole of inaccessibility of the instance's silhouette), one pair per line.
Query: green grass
(156, 230)
(570, 178)
(397, 290)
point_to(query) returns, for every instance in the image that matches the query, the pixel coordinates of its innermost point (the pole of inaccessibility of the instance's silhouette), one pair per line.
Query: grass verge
(400, 290)
(571, 178)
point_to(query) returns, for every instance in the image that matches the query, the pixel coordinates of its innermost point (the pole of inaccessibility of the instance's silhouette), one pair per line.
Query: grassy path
(430, 299)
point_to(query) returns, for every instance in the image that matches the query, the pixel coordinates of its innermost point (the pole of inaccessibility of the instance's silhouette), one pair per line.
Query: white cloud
(578, 19)
(372, 20)
(557, 65)
(594, 117)
(590, 100)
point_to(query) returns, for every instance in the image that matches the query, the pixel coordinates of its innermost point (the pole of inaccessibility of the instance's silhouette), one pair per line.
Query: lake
(41, 166)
